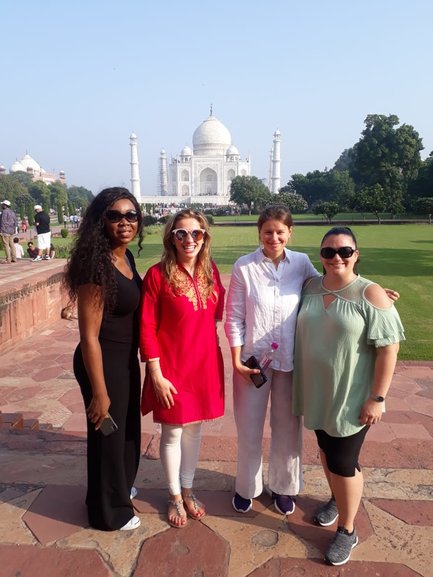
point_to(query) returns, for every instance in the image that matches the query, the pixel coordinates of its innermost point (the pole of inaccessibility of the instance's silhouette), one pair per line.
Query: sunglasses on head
(182, 233)
(116, 216)
(343, 252)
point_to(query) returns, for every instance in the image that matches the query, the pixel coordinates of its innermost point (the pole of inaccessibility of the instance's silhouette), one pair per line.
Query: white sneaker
(46, 257)
(36, 258)
(134, 493)
(133, 523)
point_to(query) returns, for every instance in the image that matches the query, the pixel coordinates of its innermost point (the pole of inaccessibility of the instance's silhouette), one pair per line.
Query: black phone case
(258, 379)
(108, 426)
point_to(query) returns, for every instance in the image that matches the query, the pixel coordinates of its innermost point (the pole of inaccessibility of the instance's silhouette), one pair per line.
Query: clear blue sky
(78, 77)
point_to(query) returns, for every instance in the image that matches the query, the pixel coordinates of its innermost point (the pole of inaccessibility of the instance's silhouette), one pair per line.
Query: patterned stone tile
(27, 561)
(192, 550)
(57, 512)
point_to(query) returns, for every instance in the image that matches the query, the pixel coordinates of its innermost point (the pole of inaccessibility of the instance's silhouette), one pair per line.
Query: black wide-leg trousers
(112, 461)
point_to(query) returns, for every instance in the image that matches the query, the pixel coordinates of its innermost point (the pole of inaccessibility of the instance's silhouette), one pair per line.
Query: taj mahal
(202, 174)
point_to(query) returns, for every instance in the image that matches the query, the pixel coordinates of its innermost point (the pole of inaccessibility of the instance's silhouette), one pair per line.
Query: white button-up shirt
(262, 305)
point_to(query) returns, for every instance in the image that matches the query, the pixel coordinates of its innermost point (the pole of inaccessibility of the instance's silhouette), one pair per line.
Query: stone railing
(31, 298)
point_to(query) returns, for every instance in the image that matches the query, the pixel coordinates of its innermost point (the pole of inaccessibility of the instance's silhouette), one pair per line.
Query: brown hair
(275, 212)
(169, 255)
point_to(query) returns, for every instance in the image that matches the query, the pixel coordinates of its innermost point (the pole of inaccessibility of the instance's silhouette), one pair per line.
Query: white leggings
(179, 451)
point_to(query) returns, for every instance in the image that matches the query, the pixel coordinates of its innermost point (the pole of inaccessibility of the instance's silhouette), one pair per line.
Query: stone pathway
(43, 526)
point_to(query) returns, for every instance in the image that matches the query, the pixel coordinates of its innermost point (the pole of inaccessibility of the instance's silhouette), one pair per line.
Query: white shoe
(36, 258)
(134, 493)
(133, 523)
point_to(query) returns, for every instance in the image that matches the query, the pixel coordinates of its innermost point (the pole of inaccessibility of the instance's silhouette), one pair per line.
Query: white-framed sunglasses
(182, 233)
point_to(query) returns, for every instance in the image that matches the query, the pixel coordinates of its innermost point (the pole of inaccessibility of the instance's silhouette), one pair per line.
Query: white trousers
(179, 450)
(250, 407)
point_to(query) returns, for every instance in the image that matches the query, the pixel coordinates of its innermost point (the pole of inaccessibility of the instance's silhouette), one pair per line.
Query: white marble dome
(186, 151)
(211, 138)
(17, 167)
(232, 151)
(28, 162)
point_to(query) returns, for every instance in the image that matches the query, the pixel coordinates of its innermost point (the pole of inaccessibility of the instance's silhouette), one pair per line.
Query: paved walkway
(43, 527)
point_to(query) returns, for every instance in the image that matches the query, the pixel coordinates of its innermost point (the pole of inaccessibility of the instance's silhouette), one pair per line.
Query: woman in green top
(347, 340)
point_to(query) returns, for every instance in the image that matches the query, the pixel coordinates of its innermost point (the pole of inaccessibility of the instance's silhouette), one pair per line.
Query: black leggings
(342, 453)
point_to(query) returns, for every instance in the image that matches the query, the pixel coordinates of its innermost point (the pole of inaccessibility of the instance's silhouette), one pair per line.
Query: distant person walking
(42, 223)
(8, 228)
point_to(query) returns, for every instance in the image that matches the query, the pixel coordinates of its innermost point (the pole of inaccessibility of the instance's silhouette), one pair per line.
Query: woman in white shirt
(262, 306)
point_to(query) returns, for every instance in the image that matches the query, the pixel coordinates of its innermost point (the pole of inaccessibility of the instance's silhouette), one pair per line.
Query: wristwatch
(377, 398)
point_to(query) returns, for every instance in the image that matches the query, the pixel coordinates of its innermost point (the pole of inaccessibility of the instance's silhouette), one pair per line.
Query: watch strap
(377, 398)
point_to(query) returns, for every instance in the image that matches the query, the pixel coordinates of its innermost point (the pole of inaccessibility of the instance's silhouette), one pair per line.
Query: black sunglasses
(181, 233)
(116, 216)
(343, 252)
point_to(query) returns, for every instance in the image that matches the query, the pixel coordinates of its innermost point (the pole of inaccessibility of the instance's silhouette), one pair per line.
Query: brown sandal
(180, 513)
(196, 509)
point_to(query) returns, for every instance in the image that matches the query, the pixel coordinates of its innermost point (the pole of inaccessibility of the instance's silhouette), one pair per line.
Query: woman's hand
(245, 372)
(371, 412)
(392, 294)
(164, 389)
(98, 409)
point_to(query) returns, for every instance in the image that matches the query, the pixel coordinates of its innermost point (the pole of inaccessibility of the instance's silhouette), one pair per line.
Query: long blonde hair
(169, 260)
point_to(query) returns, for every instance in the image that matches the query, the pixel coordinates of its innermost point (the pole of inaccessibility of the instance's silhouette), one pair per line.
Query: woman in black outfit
(101, 277)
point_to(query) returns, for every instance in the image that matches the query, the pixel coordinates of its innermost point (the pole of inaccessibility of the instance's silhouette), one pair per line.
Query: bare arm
(386, 358)
(90, 311)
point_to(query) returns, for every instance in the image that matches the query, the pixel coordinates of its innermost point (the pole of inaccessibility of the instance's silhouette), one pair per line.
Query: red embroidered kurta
(180, 328)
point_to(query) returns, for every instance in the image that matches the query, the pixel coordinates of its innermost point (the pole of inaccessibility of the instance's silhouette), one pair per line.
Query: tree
(40, 192)
(79, 196)
(343, 161)
(329, 185)
(293, 201)
(341, 187)
(60, 216)
(249, 191)
(371, 199)
(58, 194)
(327, 208)
(386, 155)
(312, 187)
(11, 189)
(425, 206)
(422, 185)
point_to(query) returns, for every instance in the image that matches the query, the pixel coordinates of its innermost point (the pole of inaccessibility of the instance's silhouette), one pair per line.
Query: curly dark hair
(90, 260)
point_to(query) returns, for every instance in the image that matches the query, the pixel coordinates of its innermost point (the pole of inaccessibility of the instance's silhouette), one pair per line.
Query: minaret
(135, 171)
(163, 173)
(276, 161)
(271, 152)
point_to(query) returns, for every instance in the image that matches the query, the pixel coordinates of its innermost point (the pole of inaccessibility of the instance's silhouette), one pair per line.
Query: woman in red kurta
(184, 385)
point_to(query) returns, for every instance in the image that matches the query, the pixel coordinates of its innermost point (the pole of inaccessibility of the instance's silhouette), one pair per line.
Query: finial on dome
(211, 107)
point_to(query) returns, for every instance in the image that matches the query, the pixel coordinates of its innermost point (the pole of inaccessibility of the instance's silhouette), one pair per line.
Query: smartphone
(108, 426)
(258, 379)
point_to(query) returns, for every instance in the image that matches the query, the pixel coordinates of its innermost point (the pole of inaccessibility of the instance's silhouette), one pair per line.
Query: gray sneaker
(340, 549)
(326, 514)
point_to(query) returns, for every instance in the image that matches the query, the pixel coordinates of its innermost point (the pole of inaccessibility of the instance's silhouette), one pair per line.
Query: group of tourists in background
(11, 243)
(338, 336)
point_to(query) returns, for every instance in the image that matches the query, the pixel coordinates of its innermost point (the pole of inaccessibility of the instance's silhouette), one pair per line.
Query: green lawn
(395, 256)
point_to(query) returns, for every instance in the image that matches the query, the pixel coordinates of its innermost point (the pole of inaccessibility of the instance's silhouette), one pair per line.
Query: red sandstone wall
(30, 299)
